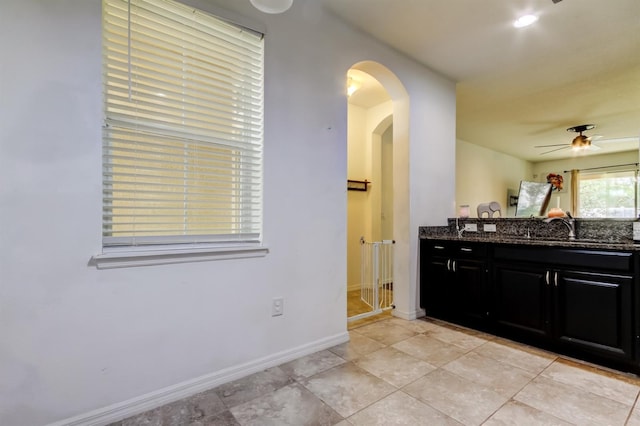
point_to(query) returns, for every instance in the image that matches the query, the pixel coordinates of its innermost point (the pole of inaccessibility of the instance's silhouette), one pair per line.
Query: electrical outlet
(489, 227)
(277, 306)
(471, 227)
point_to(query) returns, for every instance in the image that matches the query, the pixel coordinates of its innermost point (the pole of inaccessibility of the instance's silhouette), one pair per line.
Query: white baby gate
(376, 276)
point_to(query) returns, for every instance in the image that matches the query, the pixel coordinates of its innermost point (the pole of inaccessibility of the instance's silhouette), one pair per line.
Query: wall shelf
(357, 185)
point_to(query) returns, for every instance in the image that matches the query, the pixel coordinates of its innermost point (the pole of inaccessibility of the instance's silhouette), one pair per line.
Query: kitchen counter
(605, 234)
(579, 297)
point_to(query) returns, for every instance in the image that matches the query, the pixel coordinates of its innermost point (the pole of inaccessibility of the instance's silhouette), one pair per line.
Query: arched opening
(378, 151)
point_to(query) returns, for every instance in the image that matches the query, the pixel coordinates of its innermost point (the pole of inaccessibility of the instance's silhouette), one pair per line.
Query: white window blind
(183, 129)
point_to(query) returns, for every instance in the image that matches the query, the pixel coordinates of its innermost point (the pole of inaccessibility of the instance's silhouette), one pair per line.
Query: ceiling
(518, 88)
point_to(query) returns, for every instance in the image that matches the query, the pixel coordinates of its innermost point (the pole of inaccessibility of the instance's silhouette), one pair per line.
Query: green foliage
(610, 195)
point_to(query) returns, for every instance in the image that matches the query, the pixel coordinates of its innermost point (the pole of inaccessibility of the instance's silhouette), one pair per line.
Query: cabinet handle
(556, 279)
(546, 278)
(438, 247)
(454, 265)
(468, 250)
(448, 264)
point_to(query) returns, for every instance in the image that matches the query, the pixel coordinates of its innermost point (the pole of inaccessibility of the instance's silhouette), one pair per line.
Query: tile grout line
(397, 388)
(626, 421)
(511, 399)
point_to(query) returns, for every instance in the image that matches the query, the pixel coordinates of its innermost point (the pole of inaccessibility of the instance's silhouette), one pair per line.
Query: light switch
(489, 227)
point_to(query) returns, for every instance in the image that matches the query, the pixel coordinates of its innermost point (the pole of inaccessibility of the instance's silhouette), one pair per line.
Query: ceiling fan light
(272, 6)
(581, 142)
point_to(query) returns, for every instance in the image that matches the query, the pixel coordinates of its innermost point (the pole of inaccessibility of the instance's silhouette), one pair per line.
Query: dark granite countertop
(604, 234)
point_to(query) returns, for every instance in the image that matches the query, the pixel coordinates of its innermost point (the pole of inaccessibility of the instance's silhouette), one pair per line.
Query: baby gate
(376, 276)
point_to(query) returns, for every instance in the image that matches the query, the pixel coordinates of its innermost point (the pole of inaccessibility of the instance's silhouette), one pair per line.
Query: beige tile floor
(423, 372)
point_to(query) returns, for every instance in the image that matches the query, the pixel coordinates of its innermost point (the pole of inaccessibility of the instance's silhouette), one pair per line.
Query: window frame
(630, 172)
(181, 247)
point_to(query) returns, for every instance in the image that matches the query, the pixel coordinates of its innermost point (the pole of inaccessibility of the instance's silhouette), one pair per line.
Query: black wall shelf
(357, 185)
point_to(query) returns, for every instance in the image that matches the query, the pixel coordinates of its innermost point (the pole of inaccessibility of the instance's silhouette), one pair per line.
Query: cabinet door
(434, 277)
(470, 289)
(521, 299)
(436, 289)
(594, 312)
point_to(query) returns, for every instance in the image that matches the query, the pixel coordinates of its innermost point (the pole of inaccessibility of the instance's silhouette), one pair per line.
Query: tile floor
(423, 372)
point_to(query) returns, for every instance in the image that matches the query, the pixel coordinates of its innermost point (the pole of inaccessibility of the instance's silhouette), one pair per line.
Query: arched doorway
(378, 152)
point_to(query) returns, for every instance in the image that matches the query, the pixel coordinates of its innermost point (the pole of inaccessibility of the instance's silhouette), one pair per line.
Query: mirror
(483, 175)
(533, 198)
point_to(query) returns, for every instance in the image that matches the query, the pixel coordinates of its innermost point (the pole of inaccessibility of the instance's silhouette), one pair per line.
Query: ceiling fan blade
(554, 150)
(619, 140)
(546, 146)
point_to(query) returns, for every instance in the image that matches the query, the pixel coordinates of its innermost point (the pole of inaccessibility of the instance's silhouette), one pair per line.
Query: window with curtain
(608, 194)
(183, 127)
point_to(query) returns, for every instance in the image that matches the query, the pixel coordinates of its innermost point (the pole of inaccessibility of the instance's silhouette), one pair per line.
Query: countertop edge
(626, 246)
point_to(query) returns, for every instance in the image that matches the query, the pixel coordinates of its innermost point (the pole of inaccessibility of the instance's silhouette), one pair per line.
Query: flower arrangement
(556, 181)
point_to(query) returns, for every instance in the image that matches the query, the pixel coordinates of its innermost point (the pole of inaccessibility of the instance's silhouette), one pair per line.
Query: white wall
(484, 175)
(76, 339)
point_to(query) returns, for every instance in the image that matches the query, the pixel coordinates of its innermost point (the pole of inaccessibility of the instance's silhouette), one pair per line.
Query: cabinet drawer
(455, 249)
(583, 258)
(435, 248)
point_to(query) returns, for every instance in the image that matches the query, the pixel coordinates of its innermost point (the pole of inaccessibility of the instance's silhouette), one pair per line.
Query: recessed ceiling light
(272, 6)
(525, 20)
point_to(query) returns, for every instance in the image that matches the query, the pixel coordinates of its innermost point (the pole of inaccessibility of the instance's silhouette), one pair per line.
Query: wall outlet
(489, 227)
(277, 306)
(636, 231)
(471, 227)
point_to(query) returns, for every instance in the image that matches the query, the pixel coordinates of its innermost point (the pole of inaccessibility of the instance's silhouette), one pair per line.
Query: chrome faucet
(568, 221)
(459, 230)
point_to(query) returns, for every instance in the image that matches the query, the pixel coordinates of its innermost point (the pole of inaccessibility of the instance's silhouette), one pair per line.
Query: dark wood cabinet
(471, 289)
(454, 280)
(436, 293)
(521, 299)
(580, 301)
(587, 309)
(593, 312)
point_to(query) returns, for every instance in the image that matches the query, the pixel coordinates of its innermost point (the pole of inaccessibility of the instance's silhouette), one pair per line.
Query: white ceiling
(517, 88)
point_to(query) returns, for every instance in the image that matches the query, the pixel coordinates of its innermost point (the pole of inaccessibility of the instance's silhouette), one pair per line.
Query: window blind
(183, 126)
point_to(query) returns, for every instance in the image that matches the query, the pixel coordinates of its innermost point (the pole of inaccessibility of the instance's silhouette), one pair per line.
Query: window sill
(121, 258)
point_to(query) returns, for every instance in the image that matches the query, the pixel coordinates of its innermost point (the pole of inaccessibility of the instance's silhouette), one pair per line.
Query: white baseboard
(151, 400)
(410, 315)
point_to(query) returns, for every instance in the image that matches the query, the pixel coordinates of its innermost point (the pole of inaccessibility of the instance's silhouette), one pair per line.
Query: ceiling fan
(580, 142)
